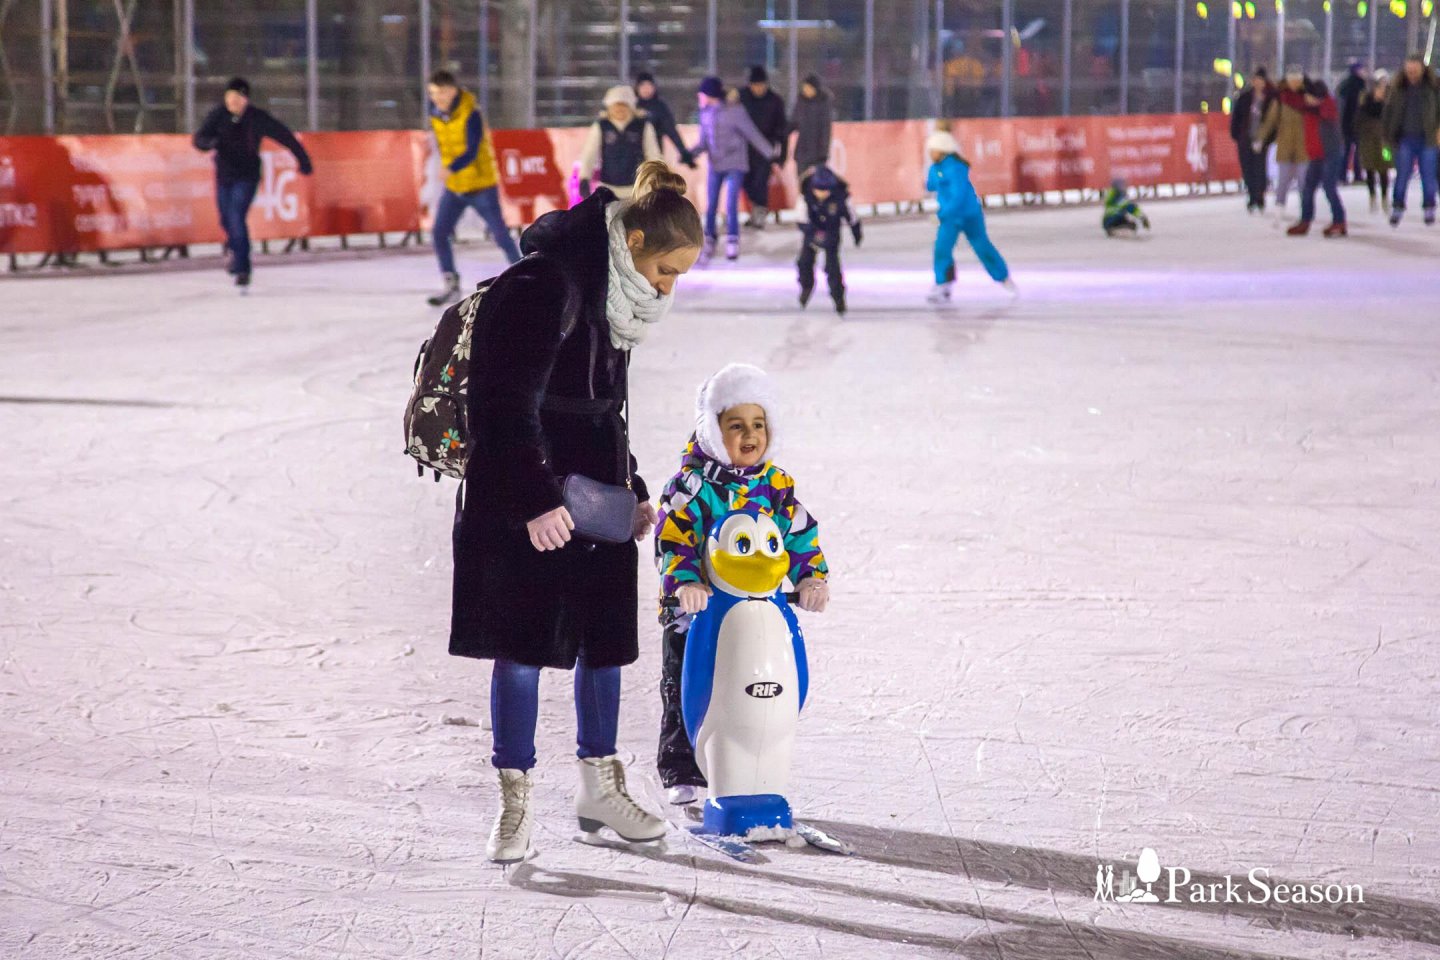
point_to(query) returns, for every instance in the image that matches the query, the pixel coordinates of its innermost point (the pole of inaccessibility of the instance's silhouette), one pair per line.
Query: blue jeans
(733, 180)
(515, 707)
(234, 199)
(1410, 151)
(447, 214)
(1327, 172)
(973, 226)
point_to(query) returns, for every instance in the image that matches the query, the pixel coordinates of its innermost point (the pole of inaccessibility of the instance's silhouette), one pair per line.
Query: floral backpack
(437, 432)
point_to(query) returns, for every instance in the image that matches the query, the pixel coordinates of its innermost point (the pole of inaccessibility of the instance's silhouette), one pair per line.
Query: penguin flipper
(697, 675)
(797, 638)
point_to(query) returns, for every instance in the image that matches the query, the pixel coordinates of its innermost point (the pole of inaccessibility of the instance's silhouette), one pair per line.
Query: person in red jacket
(1325, 146)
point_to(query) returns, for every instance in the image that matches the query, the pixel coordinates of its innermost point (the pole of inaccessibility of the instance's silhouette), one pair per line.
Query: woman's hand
(693, 597)
(645, 517)
(814, 594)
(550, 531)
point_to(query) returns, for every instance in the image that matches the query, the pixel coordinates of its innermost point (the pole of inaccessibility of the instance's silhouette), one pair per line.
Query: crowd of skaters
(1370, 126)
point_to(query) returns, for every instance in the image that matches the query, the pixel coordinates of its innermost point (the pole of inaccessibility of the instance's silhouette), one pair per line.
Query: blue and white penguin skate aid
(743, 685)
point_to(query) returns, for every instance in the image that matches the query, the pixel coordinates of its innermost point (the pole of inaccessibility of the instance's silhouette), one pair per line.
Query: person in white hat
(619, 141)
(960, 212)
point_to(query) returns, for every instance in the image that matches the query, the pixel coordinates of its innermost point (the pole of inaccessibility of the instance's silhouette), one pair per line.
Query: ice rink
(1149, 557)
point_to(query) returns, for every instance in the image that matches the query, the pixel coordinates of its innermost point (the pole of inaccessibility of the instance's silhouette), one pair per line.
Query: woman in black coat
(547, 382)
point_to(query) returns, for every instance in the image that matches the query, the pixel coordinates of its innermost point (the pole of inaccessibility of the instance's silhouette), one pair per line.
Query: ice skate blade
(592, 828)
(529, 854)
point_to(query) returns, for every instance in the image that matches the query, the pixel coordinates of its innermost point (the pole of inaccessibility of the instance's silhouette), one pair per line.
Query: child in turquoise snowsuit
(960, 212)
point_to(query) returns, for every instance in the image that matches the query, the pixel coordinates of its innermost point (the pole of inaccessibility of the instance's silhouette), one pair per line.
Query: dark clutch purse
(602, 512)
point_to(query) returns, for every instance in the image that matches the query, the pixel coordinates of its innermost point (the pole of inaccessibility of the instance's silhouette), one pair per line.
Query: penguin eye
(774, 544)
(743, 544)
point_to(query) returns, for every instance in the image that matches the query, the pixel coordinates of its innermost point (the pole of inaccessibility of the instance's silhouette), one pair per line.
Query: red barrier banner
(68, 194)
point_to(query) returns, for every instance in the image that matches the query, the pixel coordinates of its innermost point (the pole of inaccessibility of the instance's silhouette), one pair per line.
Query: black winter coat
(541, 348)
(236, 142)
(664, 121)
(768, 114)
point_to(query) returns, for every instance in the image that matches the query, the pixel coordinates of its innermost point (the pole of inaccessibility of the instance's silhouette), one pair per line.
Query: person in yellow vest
(471, 179)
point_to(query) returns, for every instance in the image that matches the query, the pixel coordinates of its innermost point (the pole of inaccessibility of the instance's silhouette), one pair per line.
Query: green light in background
(1202, 10)
(1362, 9)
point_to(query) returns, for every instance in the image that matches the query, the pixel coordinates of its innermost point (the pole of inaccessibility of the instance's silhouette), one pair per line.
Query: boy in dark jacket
(234, 130)
(1411, 119)
(648, 99)
(825, 199)
(1244, 122)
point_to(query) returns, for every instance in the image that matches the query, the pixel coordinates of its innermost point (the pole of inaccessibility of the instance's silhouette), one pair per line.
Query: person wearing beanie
(648, 100)
(472, 177)
(725, 130)
(823, 211)
(1348, 95)
(1245, 119)
(728, 462)
(960, 212)
(811, 122)
(234, 130)
(767, 112)
(1121, 213)
(1284, 125)
(618, 142)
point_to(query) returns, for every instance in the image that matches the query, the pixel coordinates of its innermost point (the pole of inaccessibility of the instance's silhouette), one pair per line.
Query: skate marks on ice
(92, 402)
(991, 933)
(1379, 916)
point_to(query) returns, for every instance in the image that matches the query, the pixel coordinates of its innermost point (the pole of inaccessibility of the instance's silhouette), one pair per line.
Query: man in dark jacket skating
(234, 130)
(767, 111)
(1244, 123)
(661, 118)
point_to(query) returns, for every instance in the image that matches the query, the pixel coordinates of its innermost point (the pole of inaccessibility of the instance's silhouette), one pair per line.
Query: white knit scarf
(630, 301)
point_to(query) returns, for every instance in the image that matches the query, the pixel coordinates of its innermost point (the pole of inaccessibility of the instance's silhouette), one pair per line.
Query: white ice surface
(1147, 558)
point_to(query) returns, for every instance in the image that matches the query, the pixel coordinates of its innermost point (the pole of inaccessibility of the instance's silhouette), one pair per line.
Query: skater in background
(552, 342)
(1285, 125)
(234, 130)
(648, 100)
(824, 210)
(728, 461)
(1244, 125)
(767, 112)
(1325, 146)
(471, 177)
(1121, 212)
(811, 121)
(1348, 94)
(960, 212)
(618, 142)
(725, 131)
(1412, 119)
(1375, 156)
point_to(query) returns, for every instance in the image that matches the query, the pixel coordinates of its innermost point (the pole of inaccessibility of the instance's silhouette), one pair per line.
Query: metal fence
(123, 66)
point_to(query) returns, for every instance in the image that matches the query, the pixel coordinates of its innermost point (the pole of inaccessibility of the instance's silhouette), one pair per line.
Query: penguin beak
(756, 574)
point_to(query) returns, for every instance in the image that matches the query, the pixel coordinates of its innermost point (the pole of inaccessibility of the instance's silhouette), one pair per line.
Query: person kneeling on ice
(727, 464)
(960, 212)
(1121, 213)
(825, 206)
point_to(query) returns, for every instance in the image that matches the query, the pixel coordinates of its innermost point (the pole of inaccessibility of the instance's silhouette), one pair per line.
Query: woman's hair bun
(656, 175)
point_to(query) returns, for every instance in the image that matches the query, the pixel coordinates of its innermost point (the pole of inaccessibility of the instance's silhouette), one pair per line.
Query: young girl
(960, 212)
(728, 463)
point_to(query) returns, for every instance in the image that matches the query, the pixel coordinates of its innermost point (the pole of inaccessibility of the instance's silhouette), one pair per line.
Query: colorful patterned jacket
(704, 491)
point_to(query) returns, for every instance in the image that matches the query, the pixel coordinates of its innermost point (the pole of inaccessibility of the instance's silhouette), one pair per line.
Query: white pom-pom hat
(731, 386)
(942, 140)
